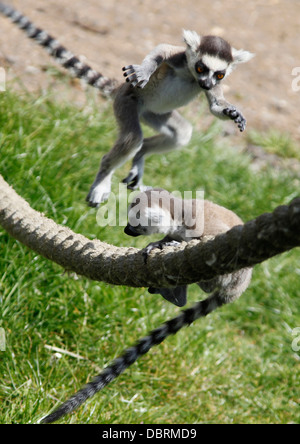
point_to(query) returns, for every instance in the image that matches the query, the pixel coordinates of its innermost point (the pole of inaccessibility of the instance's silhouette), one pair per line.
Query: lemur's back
(218, 219)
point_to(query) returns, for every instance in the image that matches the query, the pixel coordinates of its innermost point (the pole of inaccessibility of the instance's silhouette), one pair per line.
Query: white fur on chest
(171, 92)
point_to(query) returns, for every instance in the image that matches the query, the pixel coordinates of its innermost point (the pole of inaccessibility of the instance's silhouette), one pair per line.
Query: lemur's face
(210, 70)
(147, 221)
(150, 213)
(211, 58)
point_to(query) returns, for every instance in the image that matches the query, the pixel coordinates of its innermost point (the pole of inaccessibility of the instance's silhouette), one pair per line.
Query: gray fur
(166, 80)
(182, 220)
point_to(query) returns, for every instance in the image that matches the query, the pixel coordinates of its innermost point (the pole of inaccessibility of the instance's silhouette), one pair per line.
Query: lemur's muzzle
(205, 84)
(131, 231)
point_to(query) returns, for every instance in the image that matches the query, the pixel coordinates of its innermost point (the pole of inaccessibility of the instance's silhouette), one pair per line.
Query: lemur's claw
(132, 181)
(235, 115)
(152, 246)
(158, 244)
(134, 178)
(135, 75)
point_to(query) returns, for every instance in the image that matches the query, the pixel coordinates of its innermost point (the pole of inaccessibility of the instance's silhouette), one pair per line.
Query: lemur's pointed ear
(241, 56)
(192, 39)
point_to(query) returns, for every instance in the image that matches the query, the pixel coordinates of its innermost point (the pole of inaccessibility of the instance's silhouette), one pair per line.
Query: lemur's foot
(132, 180)
(136, 75)
(234, 114)
(96, 197)
(99, 193)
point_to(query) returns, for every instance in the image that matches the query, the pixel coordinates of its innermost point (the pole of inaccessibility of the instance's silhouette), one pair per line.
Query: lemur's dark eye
(200, 67)
(220, 76)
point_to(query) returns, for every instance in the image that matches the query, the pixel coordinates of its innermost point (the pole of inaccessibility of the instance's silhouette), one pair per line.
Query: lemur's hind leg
(127, 145)
(174, 131)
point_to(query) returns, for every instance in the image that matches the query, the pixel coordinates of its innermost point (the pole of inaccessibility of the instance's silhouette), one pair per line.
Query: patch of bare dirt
(111, 34)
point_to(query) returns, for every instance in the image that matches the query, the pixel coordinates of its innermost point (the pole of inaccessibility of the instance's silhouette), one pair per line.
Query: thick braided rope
(60, 53)
(131, 354)
(243, 246)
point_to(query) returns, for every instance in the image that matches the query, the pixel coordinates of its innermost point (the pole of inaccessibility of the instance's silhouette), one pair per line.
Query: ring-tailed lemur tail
(60, 53)
(129, 356)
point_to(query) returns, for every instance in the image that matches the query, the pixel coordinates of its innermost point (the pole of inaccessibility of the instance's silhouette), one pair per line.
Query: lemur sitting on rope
(160, 212)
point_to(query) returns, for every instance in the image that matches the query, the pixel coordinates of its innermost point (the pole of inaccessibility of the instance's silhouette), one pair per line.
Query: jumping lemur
(168, 78)
(157, 211)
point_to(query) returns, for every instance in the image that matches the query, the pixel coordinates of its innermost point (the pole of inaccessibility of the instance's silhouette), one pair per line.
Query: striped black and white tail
(60, 53)
(130, 355)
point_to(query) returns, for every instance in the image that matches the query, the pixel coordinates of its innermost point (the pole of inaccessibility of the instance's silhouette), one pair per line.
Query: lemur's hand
(158, 244)
(136, 75)
(234, 114)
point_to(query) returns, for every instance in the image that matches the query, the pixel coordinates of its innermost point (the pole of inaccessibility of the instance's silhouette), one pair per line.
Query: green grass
(235, 366)
(276, 142)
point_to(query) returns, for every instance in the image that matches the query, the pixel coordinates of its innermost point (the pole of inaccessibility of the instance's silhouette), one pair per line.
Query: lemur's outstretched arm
(223, 109)
(139, 75)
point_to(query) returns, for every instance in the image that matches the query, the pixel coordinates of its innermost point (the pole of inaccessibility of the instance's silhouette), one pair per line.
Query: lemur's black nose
(130, 231)
(205, 84)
